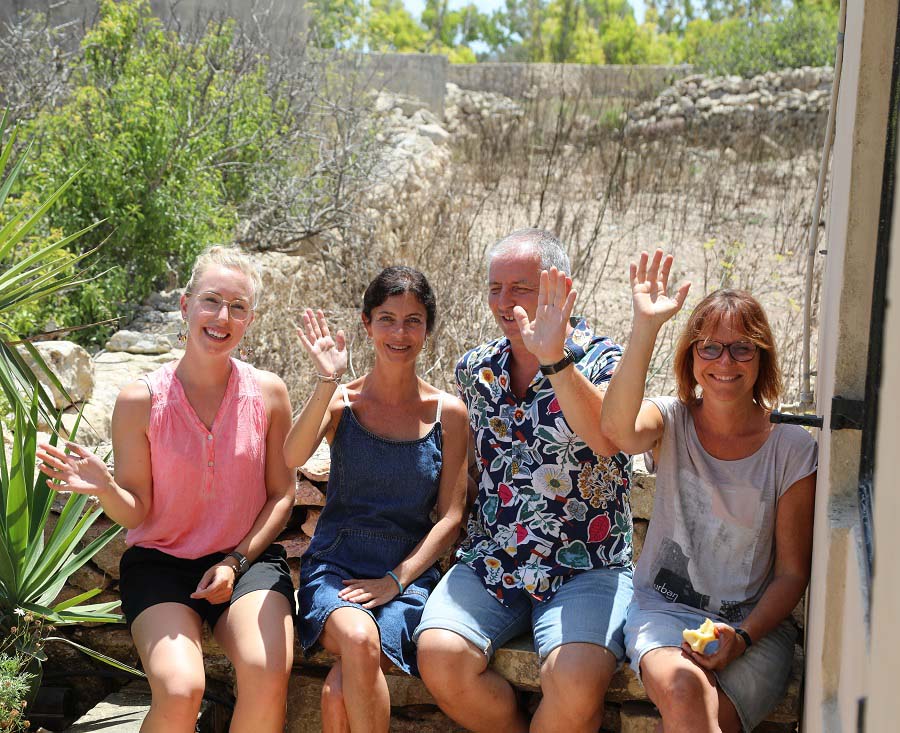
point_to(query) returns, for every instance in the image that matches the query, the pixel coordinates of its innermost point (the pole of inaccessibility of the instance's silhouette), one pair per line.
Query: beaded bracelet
(335, 378)
(393, 575)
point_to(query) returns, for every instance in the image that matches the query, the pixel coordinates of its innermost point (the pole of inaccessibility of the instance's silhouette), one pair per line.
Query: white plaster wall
(837, 651)
(884, 672)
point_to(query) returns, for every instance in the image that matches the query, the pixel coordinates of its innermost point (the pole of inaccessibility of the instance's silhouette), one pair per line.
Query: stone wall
(522, 80)
(792, 100)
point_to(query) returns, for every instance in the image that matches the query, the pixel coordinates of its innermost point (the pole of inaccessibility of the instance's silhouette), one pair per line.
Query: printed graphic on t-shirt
(708, 522)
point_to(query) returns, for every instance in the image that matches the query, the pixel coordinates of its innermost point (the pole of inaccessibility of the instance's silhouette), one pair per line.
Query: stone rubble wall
(713, 106)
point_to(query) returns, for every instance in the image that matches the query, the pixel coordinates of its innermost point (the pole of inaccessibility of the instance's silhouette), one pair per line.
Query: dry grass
(732, 216)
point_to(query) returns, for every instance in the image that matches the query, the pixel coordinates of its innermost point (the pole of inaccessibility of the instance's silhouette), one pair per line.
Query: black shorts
(148, 577)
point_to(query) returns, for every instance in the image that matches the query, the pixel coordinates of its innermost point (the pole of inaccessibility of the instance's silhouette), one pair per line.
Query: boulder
(136, 342)
(71, 364)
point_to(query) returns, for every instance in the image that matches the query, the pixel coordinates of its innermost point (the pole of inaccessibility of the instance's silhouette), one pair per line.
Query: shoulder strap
(345, 396)
(146, 381)
(437, 417)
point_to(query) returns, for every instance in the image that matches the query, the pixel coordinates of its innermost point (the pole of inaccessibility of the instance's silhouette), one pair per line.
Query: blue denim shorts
(589, 608)
(755, 682)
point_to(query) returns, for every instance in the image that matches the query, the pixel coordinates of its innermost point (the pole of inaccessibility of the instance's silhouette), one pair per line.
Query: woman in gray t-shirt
(731, 534)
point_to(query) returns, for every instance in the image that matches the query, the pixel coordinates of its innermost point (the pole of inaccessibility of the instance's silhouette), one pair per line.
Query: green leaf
(98, 656)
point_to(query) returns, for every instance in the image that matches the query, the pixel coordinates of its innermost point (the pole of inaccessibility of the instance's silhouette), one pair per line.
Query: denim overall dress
(377, 508)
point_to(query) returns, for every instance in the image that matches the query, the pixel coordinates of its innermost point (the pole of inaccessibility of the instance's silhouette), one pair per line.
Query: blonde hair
(217, 254)
(747, 316)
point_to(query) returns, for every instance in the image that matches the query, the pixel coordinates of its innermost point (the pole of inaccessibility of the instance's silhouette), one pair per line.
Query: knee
(446, 662)
(681, 690)
(179, 695)
(362, 644)
(573, 692)
(262, 681)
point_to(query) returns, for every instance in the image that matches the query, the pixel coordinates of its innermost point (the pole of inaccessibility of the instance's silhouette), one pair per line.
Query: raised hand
(545, 336)
(329, 354)
(79, 470)
(649, 289)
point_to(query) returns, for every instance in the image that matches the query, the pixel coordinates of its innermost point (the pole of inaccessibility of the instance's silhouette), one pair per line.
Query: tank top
(209, 485)
(379, 498)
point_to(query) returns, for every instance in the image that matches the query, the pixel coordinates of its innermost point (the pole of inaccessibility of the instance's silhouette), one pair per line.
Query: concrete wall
(517, 80)
(419, 75)
(837, 639)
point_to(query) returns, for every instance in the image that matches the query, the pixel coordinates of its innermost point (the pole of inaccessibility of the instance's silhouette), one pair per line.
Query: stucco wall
(884, 670)
(837, 645)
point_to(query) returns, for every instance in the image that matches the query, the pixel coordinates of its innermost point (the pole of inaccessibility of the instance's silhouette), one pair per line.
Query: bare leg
(574, 678)
(334, 713)
(257, 635)
(167, 637)
(353, 636)
(456, 673)
(686, 695)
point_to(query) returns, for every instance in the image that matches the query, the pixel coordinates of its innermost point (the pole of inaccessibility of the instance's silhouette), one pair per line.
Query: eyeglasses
(209, 302)
(739, 350)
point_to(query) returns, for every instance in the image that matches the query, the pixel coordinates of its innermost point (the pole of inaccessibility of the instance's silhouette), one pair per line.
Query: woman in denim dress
(398, 449)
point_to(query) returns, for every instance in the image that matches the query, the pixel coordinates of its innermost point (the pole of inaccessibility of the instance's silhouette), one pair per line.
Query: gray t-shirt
(711, 542)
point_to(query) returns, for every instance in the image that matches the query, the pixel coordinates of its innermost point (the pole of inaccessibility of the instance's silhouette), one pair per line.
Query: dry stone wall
(711, 107)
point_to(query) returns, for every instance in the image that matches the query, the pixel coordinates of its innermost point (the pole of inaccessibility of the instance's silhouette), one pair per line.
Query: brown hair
(747, 316)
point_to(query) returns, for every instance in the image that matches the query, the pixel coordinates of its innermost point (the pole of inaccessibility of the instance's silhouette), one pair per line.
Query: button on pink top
(208, 485)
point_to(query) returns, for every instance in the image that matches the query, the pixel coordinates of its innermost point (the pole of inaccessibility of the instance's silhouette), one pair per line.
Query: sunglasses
(738, 350)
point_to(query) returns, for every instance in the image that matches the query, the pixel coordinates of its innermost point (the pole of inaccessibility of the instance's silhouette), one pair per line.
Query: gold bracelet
(334, 378)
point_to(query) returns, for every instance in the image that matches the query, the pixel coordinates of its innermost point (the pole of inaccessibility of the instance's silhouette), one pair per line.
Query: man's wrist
(567, 359)
(547, 360)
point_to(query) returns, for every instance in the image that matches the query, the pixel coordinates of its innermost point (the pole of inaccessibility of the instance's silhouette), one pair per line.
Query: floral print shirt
(548, 507)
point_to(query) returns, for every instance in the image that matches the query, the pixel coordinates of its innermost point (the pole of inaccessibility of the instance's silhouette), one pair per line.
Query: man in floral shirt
(549, 538)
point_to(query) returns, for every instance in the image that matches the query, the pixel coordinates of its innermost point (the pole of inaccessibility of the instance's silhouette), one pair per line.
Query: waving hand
(649, 289)
(545, 336)
(329, 354)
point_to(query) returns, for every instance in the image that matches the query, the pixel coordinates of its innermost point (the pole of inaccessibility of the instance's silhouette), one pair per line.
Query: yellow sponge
(699, 638)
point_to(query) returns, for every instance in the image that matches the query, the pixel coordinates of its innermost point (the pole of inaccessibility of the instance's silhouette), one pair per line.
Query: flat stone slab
(122, 712)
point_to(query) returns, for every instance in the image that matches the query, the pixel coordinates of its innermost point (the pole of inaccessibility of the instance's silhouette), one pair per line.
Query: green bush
(165, 134)
(804, 36)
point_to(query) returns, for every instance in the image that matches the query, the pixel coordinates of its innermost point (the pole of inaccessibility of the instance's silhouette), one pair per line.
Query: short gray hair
(545, 244)
(226, 256)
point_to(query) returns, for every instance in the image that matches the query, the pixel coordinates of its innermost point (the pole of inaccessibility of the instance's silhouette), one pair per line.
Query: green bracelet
(393, 575)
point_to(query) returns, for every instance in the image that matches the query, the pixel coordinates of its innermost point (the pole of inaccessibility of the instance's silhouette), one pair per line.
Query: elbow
(603, 447)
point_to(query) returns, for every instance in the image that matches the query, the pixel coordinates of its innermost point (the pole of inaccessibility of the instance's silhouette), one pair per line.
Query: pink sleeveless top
(208, 485)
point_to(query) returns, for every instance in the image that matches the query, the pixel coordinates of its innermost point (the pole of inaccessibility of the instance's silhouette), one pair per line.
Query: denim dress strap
(345, 395)
(437, 416)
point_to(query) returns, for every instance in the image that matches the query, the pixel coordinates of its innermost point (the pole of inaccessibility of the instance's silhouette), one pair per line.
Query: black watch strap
(241, 562)
(744, 635)
(568, 358)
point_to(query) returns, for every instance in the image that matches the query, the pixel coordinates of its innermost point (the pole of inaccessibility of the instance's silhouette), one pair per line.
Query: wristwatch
(568, 358)
(242, 563)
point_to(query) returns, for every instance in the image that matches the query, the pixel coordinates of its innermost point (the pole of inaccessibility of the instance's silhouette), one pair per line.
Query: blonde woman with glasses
(202, 486)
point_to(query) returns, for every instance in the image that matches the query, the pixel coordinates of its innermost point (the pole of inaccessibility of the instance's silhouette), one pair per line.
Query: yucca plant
(35, 563)
(34, 567)
(40, 274)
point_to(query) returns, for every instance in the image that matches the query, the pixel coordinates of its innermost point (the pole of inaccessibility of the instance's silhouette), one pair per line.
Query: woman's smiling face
(398, 327)
(724, 378)
(215, 329)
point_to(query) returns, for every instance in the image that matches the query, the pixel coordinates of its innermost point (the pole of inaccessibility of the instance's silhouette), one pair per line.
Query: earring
(245, 353)
(183, 334)
(425, 343)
